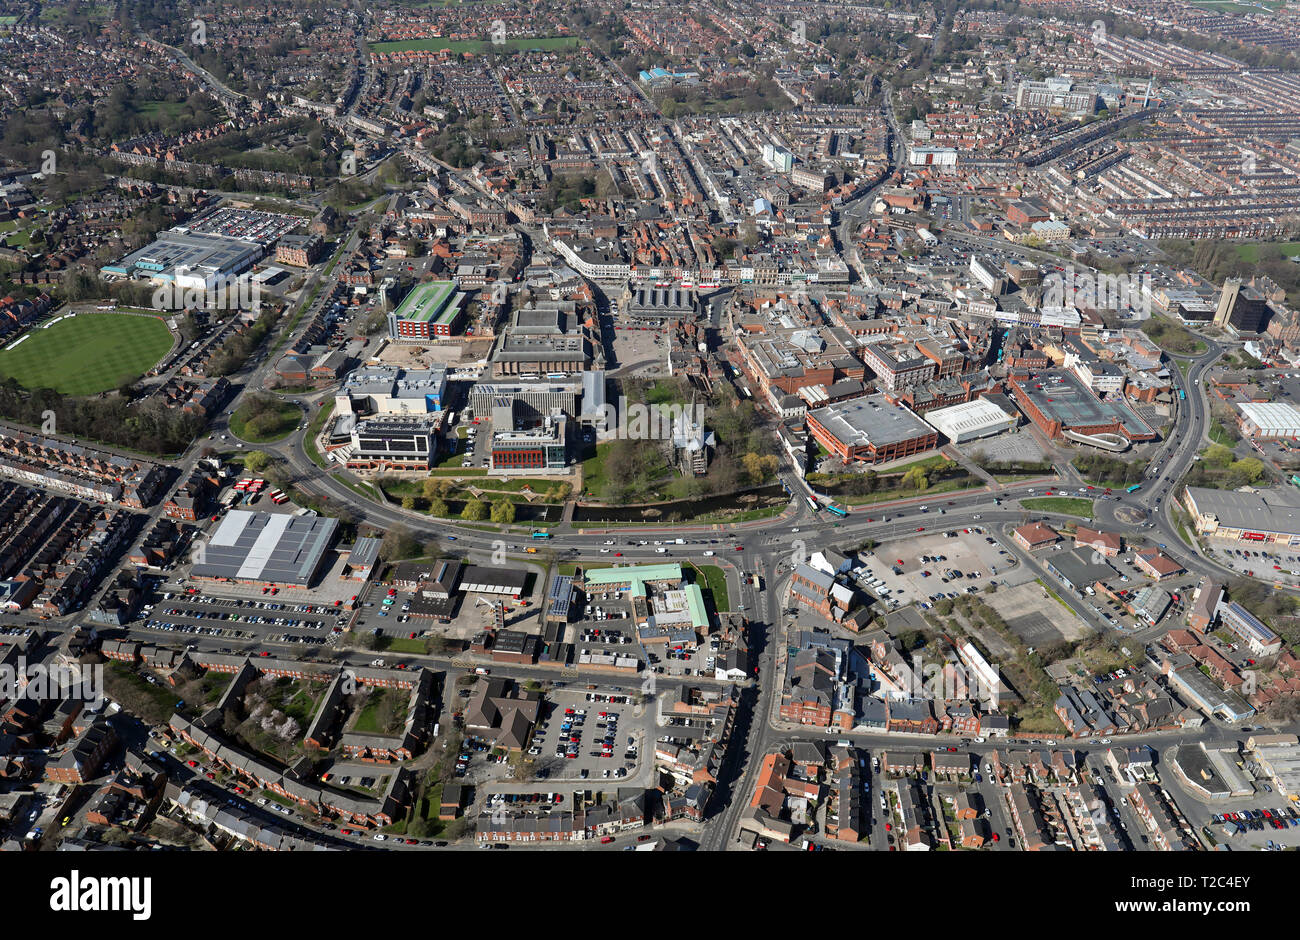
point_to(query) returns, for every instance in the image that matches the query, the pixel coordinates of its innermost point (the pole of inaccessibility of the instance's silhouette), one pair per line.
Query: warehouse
(1269, 421)
(1263, 516)
(266, 548)
(871, 429)
(187, 260)
(971, 420)
(480, 579)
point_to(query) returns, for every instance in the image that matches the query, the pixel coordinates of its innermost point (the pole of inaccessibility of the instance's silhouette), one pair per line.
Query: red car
(920, 528)
(606, 840)
(618, 554)
(889, 827)
(192, 763)
(740, 548)
(210, 775)
(345, 832)
(995, 837)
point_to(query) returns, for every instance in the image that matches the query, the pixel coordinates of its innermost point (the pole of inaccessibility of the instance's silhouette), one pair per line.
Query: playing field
(88, 353)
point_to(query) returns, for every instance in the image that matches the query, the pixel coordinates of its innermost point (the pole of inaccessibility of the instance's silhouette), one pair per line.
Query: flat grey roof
(1077, 567)
(871, 420)
(263, 546)
(1275, 510)
(364, 553)
(1064, 397)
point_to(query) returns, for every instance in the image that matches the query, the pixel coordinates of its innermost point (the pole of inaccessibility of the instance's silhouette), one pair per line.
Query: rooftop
(870, 420)
(262, 546)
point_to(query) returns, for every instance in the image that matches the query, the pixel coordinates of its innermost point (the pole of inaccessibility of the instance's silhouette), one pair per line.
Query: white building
(1270, 420)
(932, 156)
(971, 420)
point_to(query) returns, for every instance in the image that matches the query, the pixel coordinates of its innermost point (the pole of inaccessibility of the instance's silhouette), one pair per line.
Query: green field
(544, 43)
(1066, 505)
(88, 353)
(1249, 252)
(1228, 6)
(261, 427)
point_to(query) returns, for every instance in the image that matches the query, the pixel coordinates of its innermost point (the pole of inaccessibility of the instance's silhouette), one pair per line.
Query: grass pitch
(88, 353)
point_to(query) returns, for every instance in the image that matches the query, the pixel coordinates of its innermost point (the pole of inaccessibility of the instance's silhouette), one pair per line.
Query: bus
(541, 535)
(277, 497)
(812, 504)
(242, 485)
(1134, 488)
(831, 507)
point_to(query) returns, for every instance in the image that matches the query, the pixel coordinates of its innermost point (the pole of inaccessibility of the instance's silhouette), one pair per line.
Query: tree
(436, 488)
(408, 502)
(475, 511)
(503, 511)
(915, 478)
(398, 542)
(438, 507)
(1249, 467)
(1219, 456)
(257, 460)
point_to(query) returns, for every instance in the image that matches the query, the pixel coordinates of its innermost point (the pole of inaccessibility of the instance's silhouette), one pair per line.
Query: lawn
(384, 713)
(88, 353)
(1172, 337)
(714, 581)
(282, 418)
(1066, 505)
(1249, 252)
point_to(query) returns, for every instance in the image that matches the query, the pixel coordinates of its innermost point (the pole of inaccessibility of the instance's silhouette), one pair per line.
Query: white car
(380, 837)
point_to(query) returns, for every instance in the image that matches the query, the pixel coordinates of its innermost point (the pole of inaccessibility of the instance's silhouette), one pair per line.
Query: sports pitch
(88, 353)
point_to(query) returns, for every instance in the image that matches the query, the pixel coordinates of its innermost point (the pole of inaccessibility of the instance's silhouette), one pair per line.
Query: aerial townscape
(765, 426)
